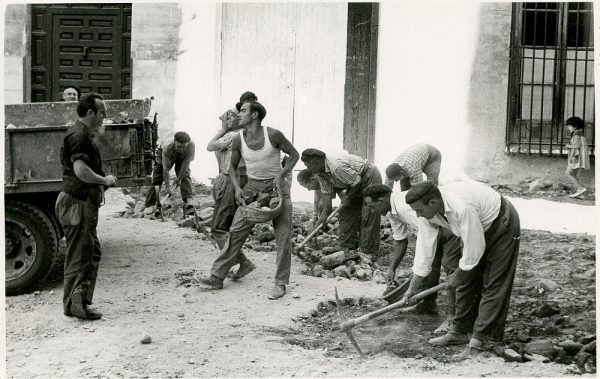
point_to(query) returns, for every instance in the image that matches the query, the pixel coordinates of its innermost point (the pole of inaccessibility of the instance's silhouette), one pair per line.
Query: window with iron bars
(551, 76)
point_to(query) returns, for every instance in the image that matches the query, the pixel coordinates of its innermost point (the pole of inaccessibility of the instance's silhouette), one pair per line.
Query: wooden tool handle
(316, 230)
(349, 324)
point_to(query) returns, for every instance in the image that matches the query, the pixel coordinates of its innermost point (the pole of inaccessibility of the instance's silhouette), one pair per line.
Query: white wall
(425, 57)
(195, 97)
(291, 55)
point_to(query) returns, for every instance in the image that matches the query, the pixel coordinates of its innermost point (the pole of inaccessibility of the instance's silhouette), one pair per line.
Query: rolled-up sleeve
(400, 230)
(79, 148)
(425, 248)
(472, 235)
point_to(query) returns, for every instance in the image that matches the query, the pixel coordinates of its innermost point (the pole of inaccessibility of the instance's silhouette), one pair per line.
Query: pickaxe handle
(349, 324)
(316, 230)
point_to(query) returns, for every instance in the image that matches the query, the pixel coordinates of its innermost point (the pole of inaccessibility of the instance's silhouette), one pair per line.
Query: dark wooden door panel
(361, 75)
(86, 45)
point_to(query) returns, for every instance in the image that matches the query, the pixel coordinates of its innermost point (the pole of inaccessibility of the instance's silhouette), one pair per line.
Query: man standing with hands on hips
(77, 206)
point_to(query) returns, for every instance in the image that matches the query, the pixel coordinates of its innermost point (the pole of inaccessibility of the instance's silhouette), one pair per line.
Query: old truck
(33, 137)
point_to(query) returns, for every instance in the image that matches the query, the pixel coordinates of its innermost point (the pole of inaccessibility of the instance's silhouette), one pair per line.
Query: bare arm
(398, 255)
(236, 156)
(279, 141)
(85, 173)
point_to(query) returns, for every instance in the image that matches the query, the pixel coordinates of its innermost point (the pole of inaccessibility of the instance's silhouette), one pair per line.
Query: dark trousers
(231, 254)
(225, 206)
(157, 180)
(359, 224)
(482, 301)
(79, 219)
(447, 255)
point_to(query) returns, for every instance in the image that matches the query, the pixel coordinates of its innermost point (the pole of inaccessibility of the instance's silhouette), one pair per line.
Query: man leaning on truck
(77, 206)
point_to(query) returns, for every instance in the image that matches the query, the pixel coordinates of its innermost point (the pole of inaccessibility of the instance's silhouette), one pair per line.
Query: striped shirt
(341, 171)
(413, 159)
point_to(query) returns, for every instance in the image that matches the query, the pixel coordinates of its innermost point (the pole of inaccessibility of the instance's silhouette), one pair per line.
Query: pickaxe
(199, 226)
(347, 325)
(316, 230)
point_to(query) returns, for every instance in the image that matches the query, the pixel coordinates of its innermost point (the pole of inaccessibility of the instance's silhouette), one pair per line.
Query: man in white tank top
(260, 147)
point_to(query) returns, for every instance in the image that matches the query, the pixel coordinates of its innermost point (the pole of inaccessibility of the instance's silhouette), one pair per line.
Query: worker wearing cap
(490, 231)
(179, 153)
(223, 190)
(359, 226)
(404, 221)
(408, 167)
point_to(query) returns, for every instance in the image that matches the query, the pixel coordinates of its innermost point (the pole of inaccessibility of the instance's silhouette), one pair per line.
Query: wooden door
(87, 45)
(361, 77)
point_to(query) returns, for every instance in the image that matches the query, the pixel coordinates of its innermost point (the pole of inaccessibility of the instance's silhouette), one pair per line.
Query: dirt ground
(238, 332)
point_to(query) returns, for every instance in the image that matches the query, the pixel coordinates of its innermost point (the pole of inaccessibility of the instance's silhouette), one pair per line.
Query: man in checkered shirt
(359, 224)
(412, 163)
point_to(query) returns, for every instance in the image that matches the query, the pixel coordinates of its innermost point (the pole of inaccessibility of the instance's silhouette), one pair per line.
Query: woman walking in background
(579, 158)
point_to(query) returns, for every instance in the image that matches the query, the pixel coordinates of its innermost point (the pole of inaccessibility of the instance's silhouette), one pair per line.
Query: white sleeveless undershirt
(264, 163)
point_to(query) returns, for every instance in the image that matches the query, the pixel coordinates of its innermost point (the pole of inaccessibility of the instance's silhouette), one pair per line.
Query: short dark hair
(424, 191)
(255, 106)
(87, 102)
(182, 137)
(248, 97)
(305, 176)
(238, 105)
(75, 88)
(575, 122)
(377, 191)
(393, 170)
(312, 154)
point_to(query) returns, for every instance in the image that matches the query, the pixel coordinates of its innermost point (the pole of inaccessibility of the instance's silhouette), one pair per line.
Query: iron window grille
(551, 76)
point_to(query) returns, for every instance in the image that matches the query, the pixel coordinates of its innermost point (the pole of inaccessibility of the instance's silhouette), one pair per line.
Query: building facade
(490, 84)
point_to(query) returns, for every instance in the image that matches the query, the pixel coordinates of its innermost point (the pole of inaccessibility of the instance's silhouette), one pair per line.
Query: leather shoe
(277, 292)
(77, 309)
(444, 326)
(450, 338)
(245, 269)
(211, 283)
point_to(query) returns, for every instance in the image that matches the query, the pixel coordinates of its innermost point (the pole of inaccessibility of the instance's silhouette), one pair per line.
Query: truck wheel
(30, 246)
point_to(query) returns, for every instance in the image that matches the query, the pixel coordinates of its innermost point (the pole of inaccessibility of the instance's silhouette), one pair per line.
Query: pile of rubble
(578, 350)
(322, 256)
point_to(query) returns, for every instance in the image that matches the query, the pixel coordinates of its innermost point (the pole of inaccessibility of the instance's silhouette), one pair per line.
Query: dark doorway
(361, 78)
(86, 45)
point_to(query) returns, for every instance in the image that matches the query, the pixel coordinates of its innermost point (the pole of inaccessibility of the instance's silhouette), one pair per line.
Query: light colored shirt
(264, 163)
(223, 154)
(470, 208)
(413, 159)
(342, 171)
(403, 218)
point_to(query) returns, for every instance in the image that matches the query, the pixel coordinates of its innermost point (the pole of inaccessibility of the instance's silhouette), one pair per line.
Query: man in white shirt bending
(490, 231)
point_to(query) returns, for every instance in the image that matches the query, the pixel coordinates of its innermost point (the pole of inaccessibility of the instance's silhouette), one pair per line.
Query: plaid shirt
(341, 171)
(412, 161)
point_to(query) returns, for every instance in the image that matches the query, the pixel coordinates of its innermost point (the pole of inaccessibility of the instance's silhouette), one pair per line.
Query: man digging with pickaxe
(403, 219)
(490, 230)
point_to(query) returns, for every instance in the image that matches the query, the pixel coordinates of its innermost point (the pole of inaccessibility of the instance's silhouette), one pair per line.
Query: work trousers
(223, 193)
(482, 300)
(447, 255)
(359, 224)
(157, 180)
(79, 219)
(231, 254)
